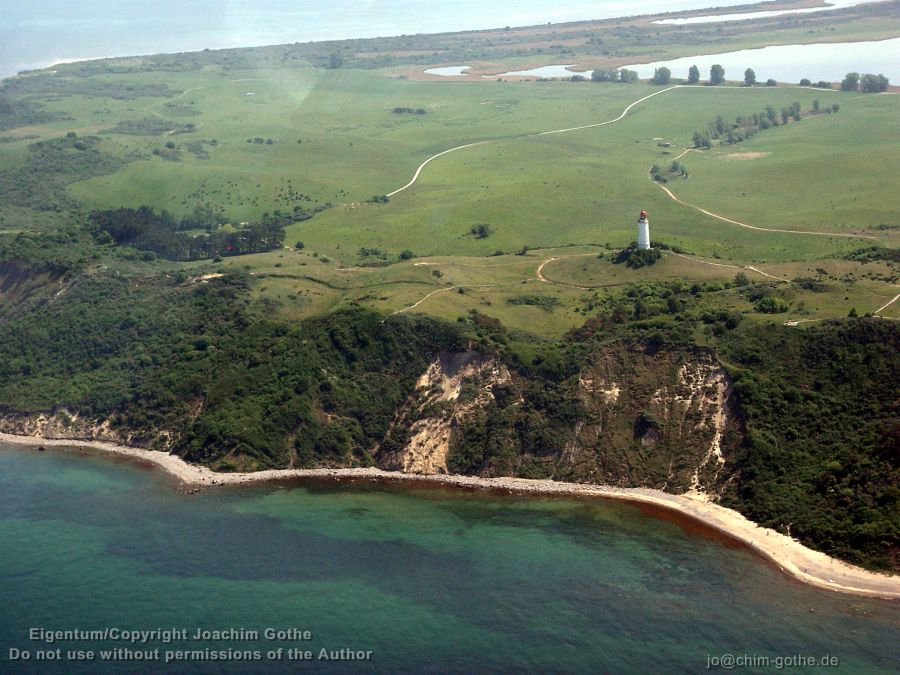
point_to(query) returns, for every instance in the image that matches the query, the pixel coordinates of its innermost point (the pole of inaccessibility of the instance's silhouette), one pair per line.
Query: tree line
(676, 170)
(746, 126)
(867, 83)
(663, 75)
(160, 233)
(622, 75)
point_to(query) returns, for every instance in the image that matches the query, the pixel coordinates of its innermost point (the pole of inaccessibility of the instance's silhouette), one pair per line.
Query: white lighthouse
(643, 238)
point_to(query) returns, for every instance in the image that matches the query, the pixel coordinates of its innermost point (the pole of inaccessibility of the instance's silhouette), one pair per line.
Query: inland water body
(40, 33)
(402, 579)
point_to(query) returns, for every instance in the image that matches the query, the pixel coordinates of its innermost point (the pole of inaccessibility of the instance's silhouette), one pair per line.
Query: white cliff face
(660, 420)
(437, 405)
(696, 405)
(66, 424)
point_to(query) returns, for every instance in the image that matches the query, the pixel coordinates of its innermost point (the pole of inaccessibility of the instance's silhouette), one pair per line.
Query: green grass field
(336, 140)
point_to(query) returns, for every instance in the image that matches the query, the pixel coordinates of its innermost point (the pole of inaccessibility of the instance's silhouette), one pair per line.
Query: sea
(40, 33)
(108, 565)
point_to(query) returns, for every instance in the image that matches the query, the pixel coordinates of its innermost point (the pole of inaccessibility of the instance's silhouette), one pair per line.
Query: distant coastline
(37, 39)
(798, 561)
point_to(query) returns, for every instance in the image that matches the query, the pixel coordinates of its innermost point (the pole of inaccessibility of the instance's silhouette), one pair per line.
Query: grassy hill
(307, 351)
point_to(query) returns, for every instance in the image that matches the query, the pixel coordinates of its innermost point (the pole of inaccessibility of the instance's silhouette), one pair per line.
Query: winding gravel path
(542, 133)
(719, 216)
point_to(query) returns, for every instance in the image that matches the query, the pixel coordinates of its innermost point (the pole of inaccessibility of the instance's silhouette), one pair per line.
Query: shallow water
(40, 33)
(717, 18)
(448, 71)
(791, 63)
(564, 70)
(424, 578)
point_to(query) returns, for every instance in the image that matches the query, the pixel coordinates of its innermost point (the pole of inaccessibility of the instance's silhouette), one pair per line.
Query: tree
(716, 75)
(771, 83)
(749, 77)
(816, 104)
(850, 82)
(693, 75)
(406, 255)
(628, 76)
(871, 84)
(769, 304)
(740, 279)
(805, 82)
(702, 139)
(481, 230)
(335, 60)
(662, 75)
(604, 76)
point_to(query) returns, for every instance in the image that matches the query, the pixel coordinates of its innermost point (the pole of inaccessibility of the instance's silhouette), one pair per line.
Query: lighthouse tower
(643, 238)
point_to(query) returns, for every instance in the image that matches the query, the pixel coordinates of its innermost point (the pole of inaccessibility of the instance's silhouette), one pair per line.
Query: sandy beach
(794, 559)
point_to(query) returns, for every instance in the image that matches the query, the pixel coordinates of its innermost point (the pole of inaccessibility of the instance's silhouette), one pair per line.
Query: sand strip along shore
(796, 560)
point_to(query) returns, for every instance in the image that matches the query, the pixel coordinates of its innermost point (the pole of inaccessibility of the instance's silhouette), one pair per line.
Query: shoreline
(791, 557)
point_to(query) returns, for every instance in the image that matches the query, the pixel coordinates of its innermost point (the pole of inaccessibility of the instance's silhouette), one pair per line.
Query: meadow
(263, 140)
(513, 242)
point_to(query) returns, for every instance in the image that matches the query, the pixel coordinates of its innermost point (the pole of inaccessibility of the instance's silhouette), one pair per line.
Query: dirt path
(453, 288)
(538, 276)
(755, 227)
(429, 160)
(621, 116)
(736, 267)
(412, 307)
(888, 304)
(542, 133)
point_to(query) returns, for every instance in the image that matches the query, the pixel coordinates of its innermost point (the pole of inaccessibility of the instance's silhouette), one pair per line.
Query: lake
(423, 578)
(39, 34)
(565, 70)
(791, 63)
(448, 71)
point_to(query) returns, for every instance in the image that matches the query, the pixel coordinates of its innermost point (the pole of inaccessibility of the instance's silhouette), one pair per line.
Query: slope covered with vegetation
(198, 253)
(196, 365)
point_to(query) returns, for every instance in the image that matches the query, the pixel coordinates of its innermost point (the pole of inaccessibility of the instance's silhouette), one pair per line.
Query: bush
(545, 302)
(770, 304)
(481, 231)
(636, 258)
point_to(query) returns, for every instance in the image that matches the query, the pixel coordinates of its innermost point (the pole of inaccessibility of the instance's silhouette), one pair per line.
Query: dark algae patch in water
(423, 578)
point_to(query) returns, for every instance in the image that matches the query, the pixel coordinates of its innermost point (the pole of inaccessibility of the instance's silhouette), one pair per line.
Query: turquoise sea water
(433, 580)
